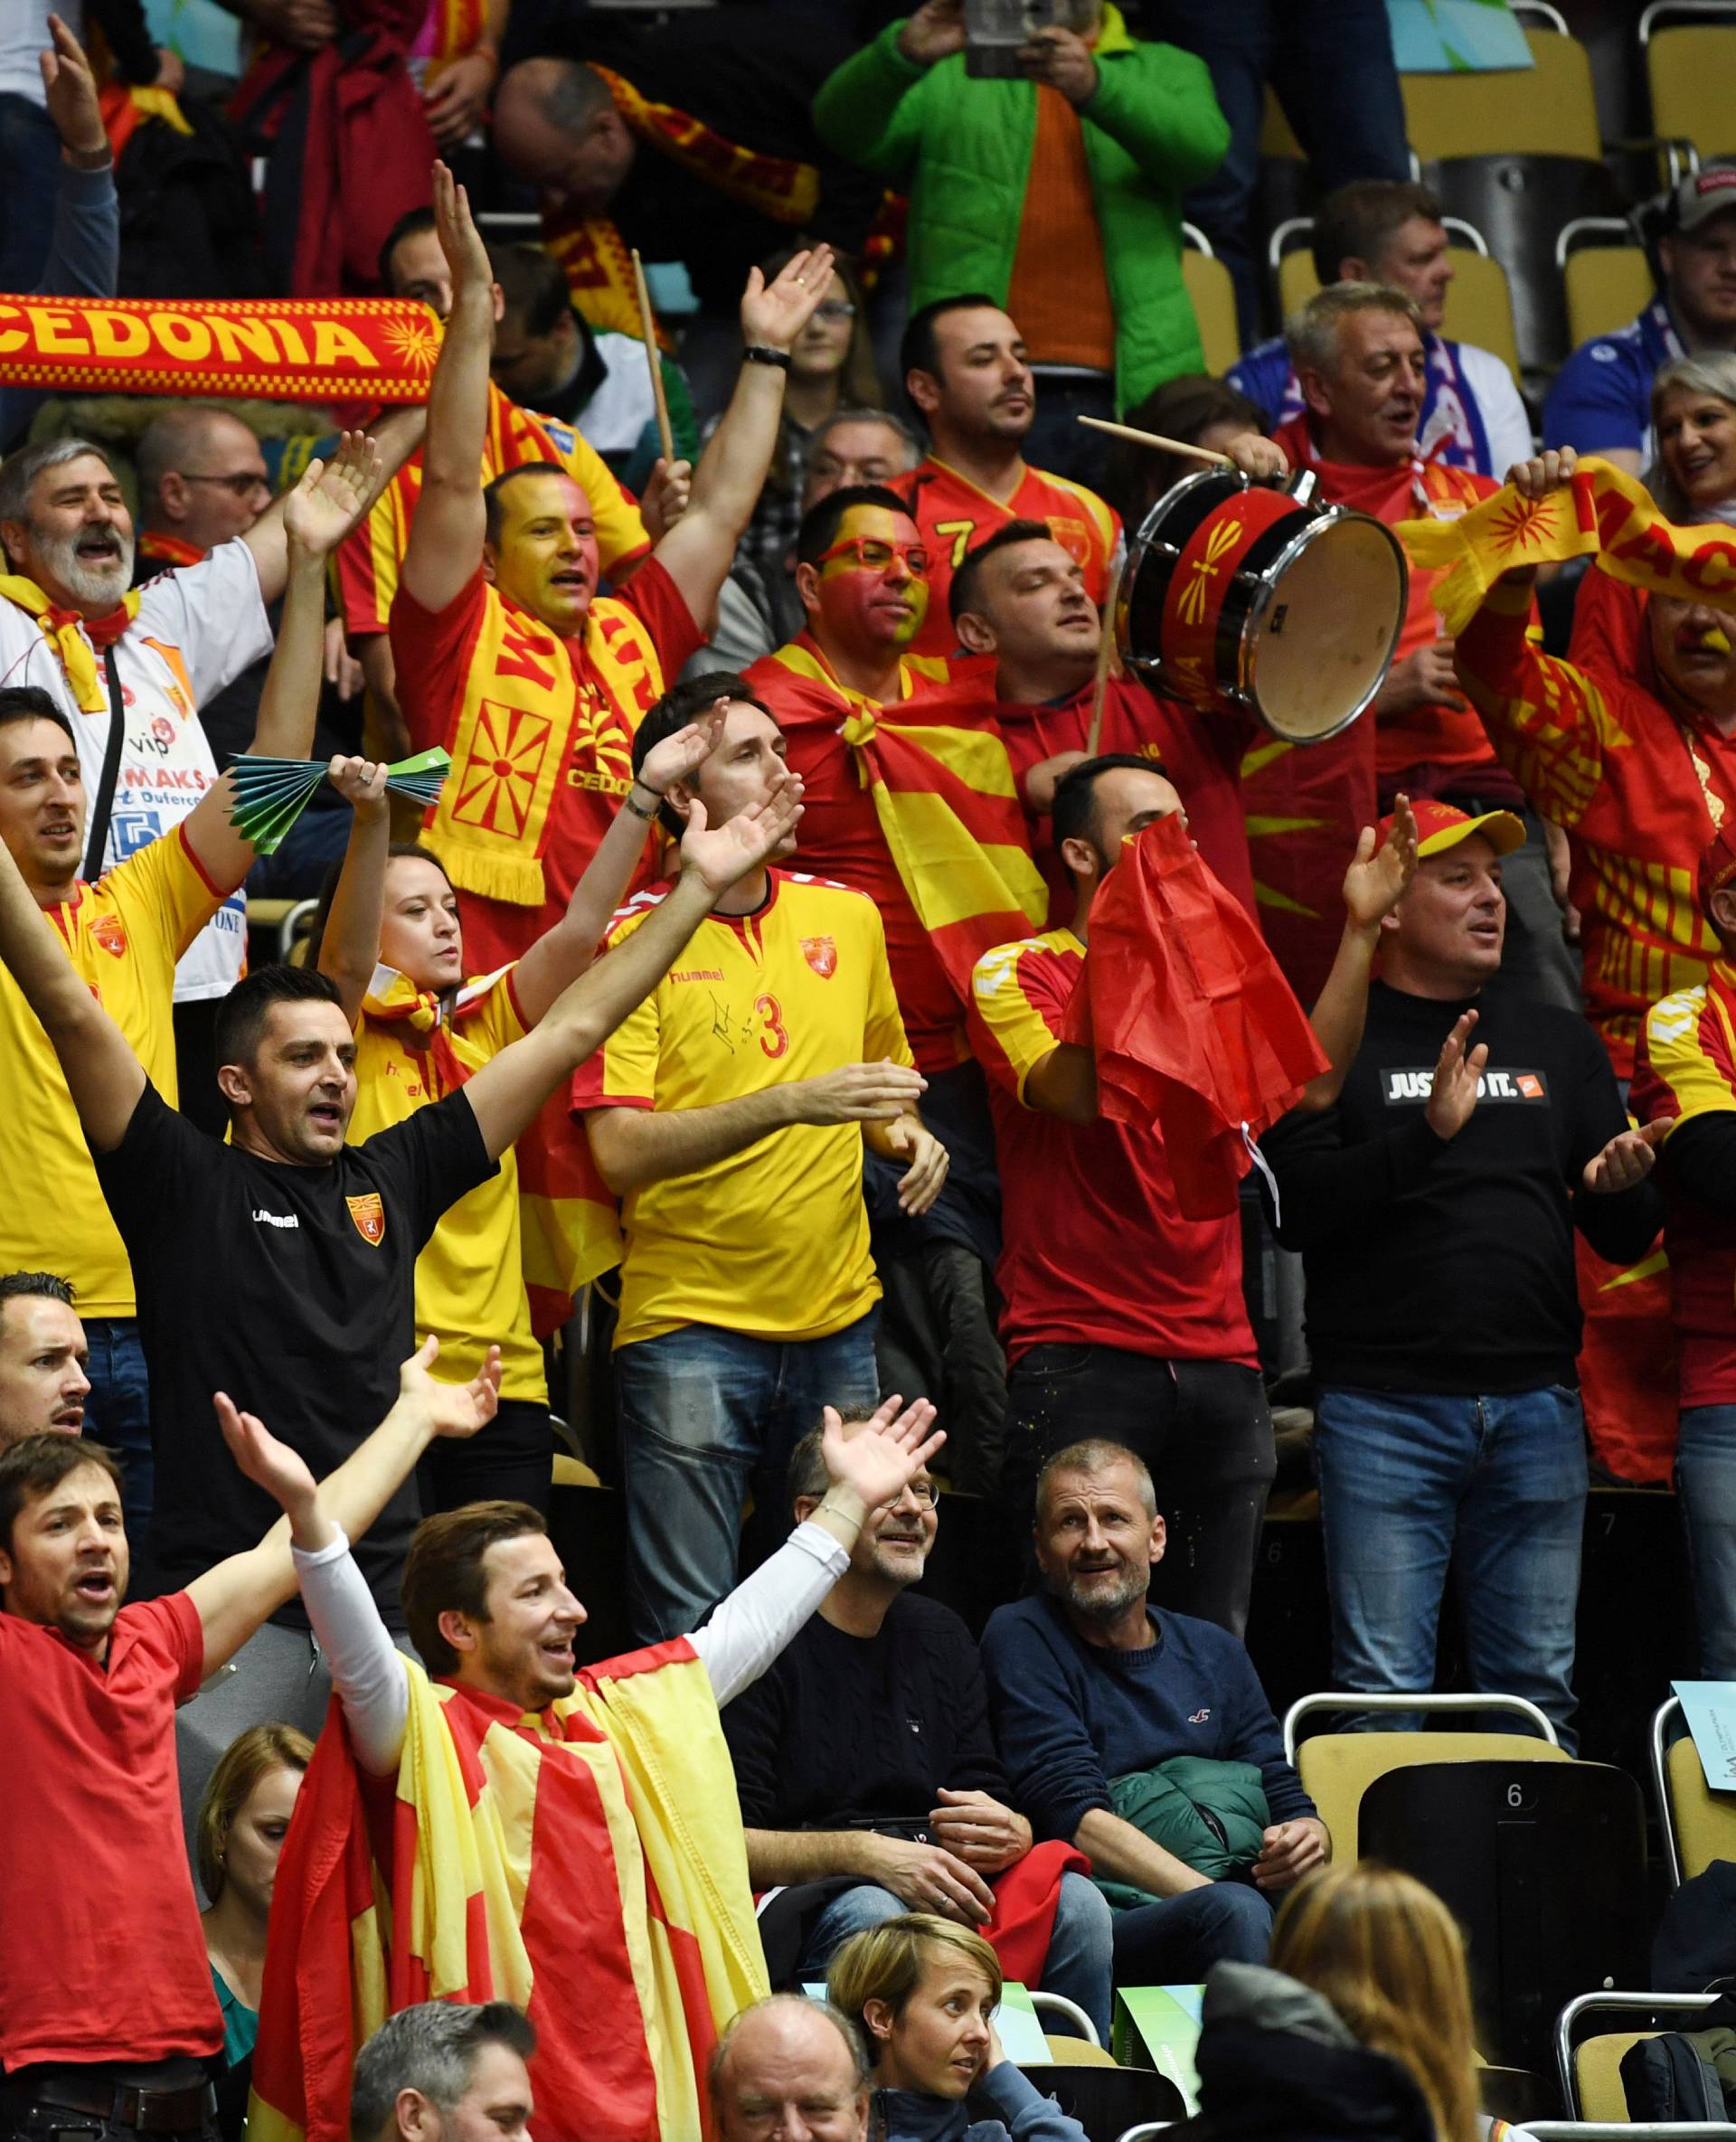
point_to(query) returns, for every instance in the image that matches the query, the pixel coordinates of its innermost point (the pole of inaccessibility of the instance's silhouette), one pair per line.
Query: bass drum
(1251, 596)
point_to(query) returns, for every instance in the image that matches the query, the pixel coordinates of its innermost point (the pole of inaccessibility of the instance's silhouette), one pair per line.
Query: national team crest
(821, 954)
(369, 1217)
(108, 933)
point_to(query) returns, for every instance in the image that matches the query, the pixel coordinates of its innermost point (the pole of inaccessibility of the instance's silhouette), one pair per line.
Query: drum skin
(1242, 595)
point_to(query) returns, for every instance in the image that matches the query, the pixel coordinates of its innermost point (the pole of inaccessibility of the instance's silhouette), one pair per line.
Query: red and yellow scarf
(72, 636)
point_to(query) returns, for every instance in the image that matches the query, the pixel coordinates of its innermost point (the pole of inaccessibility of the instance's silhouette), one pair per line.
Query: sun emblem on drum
(1521, 522)
(414, 343)
(1223, 539)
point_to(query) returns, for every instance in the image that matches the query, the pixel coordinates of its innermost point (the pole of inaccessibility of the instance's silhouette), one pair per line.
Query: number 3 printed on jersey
(773, 1038)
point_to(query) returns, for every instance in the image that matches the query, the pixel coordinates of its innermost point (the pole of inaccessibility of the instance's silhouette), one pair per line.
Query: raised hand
(1062, 58)
(461, 240)
(934, 30)
(1543, 472)
(722, 856)
(680, 756)
(926, 1177)
(774, 314)
(1255, 455)
(885, 1454)
(1377, 881)
(457, 1409)
(1453, 1094)
(69, 92)
(1626, 1160)
(282, 1472)
(362, 783)
(332, 496)
(667, 494)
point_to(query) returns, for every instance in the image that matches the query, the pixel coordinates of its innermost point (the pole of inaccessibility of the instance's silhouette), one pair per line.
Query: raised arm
(698, 551)
(507, 1092)
(446, 530)
(103, 1076)
(560, 955)
(235, 1596)
(318, 514)
(394, 438)
(349, 947)
(1374, 884)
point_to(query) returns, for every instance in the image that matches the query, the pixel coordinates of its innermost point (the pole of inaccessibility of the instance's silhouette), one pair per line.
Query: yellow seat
(1480, 302)
(1212, 295)
(1277, 136)
(1078, 2052)
(1689, 69)
(1296, 281)
(1597, 2069)
(1337, 1769)
(573, 1472)
(1699, 1824)
(1546, 110)
(1607, 286)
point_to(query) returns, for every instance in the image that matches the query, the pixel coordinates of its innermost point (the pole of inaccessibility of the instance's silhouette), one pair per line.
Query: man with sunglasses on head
(853, 1824)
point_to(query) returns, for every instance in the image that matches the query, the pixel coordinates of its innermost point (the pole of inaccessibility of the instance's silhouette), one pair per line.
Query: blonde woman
(923, 1989)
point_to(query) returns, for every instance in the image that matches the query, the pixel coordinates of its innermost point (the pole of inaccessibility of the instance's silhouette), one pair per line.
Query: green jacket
(962, 150)
(1210, 1814)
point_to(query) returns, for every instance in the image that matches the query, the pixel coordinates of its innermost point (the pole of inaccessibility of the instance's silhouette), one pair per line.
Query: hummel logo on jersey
(279, 1219)
(1400, 1086)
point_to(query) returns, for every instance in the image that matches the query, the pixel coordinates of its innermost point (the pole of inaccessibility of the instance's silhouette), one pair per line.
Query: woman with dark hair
(1201, 410)
(389, 936)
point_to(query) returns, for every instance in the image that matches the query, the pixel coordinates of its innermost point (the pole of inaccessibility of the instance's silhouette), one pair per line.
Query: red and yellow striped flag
(587, 1863)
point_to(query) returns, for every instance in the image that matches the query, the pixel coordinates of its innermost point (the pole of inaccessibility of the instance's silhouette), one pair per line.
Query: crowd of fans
(741, 988)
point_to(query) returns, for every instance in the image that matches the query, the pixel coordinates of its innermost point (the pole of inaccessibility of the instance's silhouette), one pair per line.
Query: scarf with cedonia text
(591, 1845)
(947, 802)
(1598, 512)
(598, 264)
(72, 636)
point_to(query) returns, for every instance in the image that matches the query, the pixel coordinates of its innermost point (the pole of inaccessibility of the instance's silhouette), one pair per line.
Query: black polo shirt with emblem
(1447, 1265)
(292, 1289)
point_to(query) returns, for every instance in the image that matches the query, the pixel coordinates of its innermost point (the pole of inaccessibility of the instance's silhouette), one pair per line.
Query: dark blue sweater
(1067, 1717)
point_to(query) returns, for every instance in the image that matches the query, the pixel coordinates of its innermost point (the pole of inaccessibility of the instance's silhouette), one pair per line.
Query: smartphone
(996, 29)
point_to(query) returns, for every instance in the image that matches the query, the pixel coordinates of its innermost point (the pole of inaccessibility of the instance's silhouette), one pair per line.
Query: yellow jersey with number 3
(771, 1241)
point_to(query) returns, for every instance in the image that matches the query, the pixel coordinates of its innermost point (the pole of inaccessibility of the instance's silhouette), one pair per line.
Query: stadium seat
(1083, 2033)
(1699, 1824)
(1543, 1865)
(1588, 2069)
(1518, 154)
(1283, 185)
(1212, 295)
(1106, 2101)
(1690, 66)
(1606, 277)
(290, 920)
(1337, 1769)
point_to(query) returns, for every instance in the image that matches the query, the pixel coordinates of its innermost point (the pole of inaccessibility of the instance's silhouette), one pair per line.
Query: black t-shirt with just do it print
(1446, 1265)
(292, 1289)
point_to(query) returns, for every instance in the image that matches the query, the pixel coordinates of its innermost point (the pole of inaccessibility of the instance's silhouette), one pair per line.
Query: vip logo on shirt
(821, 954)
(369, 1217)
(1398, 1087)
(108, 933)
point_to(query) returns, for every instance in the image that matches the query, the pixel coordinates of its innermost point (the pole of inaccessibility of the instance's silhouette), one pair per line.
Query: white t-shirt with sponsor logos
(197, 628)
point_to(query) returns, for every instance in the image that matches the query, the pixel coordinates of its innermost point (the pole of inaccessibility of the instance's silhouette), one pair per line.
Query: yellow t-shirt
(123, 935)
(771, 1241)
(469, 1278)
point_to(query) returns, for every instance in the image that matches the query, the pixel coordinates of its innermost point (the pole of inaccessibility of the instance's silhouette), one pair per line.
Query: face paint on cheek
(859, 603)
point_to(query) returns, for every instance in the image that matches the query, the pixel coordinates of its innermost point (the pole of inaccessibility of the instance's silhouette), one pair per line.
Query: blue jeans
(1177, 1941)
(1331, 64)
(703, 1412)
(1706, 1481)
(118, 1412)
(29, 185)
(1493, 1487)
(1078, 1963)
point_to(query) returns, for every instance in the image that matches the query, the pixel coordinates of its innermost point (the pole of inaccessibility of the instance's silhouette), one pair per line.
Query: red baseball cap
(1440, 827)
(1717, 867)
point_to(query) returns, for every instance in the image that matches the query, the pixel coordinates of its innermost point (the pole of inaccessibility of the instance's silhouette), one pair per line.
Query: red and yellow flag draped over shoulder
(587, 1863)
(1601, 513)
(944, 793)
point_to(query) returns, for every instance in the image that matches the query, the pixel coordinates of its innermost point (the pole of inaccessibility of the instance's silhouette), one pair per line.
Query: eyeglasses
(876, 555)
(925, 1494)
(834, 310)
(243, 486)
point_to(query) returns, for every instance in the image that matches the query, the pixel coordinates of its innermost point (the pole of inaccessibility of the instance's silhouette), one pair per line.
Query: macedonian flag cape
(944, 793)
(586, 1863)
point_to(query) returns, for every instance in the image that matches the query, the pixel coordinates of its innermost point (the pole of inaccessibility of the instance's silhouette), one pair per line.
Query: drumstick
(648, 328)
(1105, 648)
(1156, 438)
